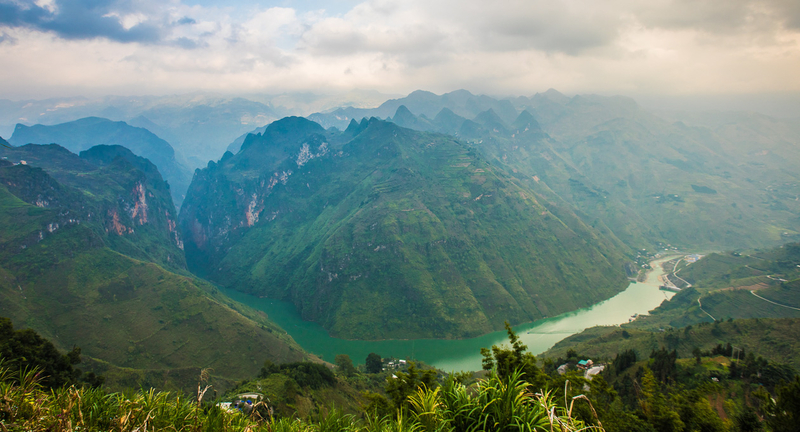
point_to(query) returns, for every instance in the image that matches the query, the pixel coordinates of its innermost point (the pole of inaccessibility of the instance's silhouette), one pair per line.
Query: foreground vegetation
(719, 389)
(494, 404)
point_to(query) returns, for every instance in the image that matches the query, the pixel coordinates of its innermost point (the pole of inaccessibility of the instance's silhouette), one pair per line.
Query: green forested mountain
(90, 256)
(120, 195)
(80, 135)
(711, 183)
(384, 232)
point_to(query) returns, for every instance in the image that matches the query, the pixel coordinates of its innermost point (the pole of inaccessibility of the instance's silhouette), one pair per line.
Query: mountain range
(382, 232)
(82, 134)
(198, 125)
(721, 181)
(430, 216)
(90, 256)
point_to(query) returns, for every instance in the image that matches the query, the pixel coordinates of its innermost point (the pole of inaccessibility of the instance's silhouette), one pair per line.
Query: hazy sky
(631, 47)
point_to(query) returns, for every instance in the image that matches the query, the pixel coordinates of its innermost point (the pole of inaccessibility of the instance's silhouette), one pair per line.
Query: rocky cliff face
(385, 232)
(122, 197)
(90, 256)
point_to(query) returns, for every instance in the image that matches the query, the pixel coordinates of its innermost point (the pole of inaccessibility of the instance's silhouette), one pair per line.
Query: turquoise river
(464, 354)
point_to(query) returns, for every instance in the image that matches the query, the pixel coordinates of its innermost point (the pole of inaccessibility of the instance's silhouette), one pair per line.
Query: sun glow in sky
(660, 47)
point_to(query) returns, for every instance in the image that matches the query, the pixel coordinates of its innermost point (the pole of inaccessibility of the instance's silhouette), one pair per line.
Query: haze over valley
(331, 212)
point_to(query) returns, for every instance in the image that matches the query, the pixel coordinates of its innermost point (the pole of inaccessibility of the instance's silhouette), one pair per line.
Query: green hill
(85, 259)
(760, 284)
(120, 197)
(715, 182)
(727, 310)
(772, 338)
(80, 135)
(384, 232)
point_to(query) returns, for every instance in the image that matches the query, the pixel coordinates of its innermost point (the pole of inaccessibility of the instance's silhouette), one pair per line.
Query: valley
(464, 354)
(399, 216)
(415, 230)
(382, 232)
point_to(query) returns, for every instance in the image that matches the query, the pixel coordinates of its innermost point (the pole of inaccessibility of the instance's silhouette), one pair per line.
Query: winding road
(769, 301)
(704, 311)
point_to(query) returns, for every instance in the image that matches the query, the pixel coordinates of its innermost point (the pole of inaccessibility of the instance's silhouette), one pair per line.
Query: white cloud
(517, 47)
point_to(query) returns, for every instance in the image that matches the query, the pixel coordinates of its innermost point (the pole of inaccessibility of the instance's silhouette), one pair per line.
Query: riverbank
(464, 354)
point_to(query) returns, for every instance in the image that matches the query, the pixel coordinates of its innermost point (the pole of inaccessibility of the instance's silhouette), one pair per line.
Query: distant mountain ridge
(383, 232)
(198, 125)
(82, 134)
(420, 102)
(631, 174)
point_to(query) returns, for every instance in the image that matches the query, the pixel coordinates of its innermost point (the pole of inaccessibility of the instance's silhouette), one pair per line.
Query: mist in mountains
(424, 216)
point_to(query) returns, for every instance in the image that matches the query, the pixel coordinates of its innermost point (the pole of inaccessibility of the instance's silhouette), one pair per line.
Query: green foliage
(403, 384)
(27, 350)
(374, 363)
(783, 412)
(748, 421)
(307, 374)
(344, 365)
(493, 405)
(68, 275)
(775, 339)
(507, 362)
(624, 360)
(662, 363)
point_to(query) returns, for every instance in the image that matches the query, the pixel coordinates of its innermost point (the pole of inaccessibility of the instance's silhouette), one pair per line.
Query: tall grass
(493, 404)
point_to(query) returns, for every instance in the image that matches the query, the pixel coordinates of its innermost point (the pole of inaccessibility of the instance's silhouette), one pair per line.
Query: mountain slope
(90, 271)
(121, 197)
(80, 135)
(390, 234)
(639, 178)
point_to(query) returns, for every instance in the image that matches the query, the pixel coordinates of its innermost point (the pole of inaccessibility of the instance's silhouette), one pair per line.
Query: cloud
(6, 38)
(722, 16)
(513, 47)
(125, 21)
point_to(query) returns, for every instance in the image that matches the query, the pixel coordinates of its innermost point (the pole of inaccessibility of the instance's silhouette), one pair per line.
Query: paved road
(770, 301)
(704, 311)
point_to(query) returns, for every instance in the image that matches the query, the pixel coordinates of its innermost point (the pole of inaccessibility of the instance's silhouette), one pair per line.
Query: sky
(679, 49)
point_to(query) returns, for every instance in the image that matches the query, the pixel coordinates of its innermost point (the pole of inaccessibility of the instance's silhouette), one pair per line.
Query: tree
(624, 360)
(696, 353)
(345, 365)
(27, 349)
(747, 421)
(783, 412)
(507, 361)
(402, 385)
(655, 407)
(269, 368)
(374, 363)
(662, 364)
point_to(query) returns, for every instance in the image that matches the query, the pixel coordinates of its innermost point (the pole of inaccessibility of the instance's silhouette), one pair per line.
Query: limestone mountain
(460, 102)
(90, 256)
(723, 182)
(384, 232)
(117, 194)
(80, 135)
